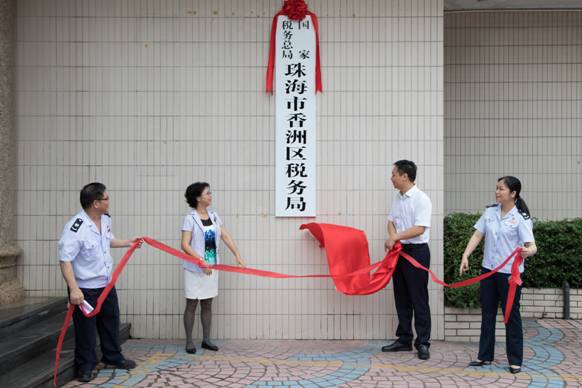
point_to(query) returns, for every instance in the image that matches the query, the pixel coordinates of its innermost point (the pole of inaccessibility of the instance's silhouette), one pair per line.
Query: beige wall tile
(513, 97)
(150, 96)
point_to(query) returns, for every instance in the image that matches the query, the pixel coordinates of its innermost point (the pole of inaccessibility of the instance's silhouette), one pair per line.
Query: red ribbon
(96, 310)
(294, 10)
(181, 255)
(349, 266)
(514, 281)
(342, 242)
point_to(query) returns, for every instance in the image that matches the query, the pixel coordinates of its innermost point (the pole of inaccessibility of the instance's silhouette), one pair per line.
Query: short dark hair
(194, 191)
(406, 167)
(91, 193)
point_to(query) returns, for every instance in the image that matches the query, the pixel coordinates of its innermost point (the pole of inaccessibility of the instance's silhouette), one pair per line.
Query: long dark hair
(515, 185)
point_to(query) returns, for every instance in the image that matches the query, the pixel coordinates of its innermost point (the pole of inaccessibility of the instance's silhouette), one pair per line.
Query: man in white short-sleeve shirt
(86, 263)
(409, 222)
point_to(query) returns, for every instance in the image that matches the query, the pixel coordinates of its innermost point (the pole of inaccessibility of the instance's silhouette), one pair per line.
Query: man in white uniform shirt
(409, 222)
(86, 264)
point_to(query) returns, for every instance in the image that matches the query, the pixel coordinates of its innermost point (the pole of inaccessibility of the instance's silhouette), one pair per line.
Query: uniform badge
(77, 225)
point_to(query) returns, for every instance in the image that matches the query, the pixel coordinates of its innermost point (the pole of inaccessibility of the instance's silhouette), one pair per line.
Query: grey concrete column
(10, 288)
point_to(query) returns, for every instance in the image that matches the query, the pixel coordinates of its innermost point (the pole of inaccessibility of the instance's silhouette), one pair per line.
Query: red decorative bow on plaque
(296, 10)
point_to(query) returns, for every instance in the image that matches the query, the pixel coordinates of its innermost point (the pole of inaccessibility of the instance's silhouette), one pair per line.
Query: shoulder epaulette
(76, 225)
(492, 205)
(108, 215)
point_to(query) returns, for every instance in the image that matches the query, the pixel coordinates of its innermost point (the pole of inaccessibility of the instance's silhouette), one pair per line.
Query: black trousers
(494, 290)
(411, 296)
(106, 324)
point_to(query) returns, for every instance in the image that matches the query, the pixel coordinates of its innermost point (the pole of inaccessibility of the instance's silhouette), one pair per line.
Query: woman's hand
(525, 252)
(528, 250)
(225, 236)
(464, 265)
(471, 246)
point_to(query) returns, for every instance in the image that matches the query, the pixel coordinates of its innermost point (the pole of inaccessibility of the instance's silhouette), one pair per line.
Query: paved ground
(553, 358)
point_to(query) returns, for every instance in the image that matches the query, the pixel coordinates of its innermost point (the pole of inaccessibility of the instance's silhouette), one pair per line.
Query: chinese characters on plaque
(295, 118)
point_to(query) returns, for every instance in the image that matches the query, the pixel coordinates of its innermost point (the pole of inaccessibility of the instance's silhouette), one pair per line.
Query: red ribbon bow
(294, 10)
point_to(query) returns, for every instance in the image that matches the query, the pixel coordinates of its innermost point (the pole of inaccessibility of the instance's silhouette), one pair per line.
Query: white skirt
(199, 285)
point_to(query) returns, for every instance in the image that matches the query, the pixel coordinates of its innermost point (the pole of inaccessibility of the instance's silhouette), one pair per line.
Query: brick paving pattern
(553, 354)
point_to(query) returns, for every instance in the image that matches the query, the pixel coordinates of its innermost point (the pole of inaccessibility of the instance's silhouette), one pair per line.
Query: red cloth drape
(347, 252)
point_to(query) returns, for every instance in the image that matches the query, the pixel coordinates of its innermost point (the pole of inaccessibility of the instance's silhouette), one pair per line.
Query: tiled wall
(149, 96)
(513, 106)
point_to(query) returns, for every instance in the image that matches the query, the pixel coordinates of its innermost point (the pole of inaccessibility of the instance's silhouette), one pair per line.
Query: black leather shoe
(190, 348)
(85, 377)
(397, 346)
(125, 364)
(209, 346)
(515, 370)
(423, 352)
(479, 363)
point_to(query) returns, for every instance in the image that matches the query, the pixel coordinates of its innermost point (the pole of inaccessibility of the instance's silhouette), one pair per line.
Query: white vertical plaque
(295, 191)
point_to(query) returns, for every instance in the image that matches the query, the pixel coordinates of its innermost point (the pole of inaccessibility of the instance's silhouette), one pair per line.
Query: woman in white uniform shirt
(505, 226)
(202, 231)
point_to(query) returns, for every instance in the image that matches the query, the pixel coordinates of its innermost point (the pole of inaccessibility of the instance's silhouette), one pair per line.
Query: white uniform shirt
(414, 208)
(193, 223)
(503, 235)
(88, 250)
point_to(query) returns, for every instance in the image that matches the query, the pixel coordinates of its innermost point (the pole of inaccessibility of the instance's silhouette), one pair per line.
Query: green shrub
(559, 257)
(458, 229)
